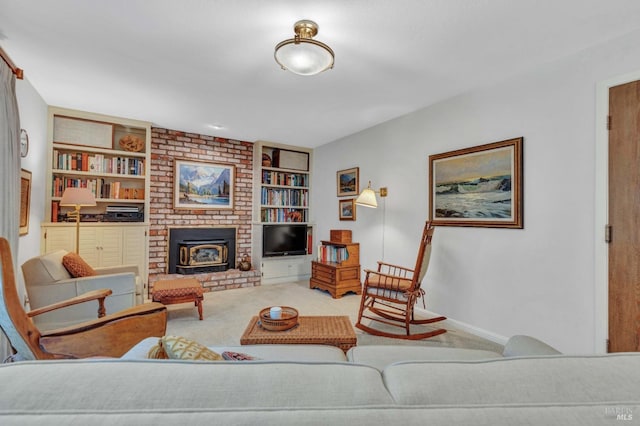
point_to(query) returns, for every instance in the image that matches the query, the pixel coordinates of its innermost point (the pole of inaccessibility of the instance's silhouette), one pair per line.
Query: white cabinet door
(110, 247)
(54, 239)
(287, 269)
(134, 249)
(90, 245)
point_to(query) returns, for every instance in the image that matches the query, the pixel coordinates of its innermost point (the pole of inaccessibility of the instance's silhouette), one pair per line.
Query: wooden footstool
(182, 290)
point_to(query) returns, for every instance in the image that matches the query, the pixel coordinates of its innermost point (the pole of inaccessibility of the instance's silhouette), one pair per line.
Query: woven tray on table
(288, 319)
(318, 330)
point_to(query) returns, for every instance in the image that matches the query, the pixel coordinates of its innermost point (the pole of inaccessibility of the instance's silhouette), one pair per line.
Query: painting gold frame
(479, 186)
(348, 182)
(200, 185)
(347, 209)
(25, 200)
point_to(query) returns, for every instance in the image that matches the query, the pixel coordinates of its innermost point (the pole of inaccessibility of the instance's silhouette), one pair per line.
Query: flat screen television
(284, 240)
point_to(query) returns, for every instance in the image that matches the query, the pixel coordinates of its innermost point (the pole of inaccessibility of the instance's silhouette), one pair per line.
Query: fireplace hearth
(199, 250)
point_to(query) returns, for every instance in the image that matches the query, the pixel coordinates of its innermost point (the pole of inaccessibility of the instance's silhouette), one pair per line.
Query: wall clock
(24, 143)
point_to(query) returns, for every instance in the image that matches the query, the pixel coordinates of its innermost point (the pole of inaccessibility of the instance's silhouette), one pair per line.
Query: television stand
(284, 269)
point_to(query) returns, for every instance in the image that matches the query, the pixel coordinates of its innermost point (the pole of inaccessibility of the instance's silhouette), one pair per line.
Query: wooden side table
(182, 290)
(338, 277)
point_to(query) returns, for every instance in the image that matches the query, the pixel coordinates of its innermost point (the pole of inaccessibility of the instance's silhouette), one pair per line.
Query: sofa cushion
(186, 386)
(77, 266)
(603, 379)
(379, 356)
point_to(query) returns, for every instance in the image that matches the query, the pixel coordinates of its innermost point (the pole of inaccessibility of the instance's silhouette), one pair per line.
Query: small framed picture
(347, 209)
(348, 182)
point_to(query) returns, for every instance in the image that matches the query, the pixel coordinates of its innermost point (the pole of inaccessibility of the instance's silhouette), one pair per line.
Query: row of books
(99, 187)
(328, 253)
(284, 197)
(97, 163)
(271, 215)
(285, 179)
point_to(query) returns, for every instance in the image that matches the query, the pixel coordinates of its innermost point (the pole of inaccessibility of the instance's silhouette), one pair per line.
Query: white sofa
(322, 387)
(47, 281)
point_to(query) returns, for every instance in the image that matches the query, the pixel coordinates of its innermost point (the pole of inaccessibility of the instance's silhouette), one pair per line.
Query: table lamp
(77, 198)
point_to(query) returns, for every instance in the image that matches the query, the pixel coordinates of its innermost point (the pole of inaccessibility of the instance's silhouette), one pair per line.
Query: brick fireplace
(169, 145)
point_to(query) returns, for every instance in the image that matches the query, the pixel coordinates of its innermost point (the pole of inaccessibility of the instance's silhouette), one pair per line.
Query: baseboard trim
(468, 328)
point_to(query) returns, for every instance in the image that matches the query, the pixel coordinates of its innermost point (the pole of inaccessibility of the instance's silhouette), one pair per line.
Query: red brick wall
(170, 145)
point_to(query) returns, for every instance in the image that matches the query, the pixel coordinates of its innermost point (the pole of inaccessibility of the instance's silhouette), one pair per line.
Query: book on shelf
(329, 253)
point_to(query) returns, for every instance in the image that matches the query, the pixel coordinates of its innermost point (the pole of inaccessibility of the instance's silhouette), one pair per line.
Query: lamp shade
(367, 198)
(302, 55)
(77, 197)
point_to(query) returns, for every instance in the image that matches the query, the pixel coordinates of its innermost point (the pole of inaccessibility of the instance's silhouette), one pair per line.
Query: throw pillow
(237, 356)
(157, 352)
(182, 348)
(76, 266)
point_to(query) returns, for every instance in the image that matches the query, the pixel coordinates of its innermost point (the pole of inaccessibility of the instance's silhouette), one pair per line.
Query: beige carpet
(227, 313)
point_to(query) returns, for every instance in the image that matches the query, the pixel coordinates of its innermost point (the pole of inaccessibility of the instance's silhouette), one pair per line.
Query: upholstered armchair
(47, 281)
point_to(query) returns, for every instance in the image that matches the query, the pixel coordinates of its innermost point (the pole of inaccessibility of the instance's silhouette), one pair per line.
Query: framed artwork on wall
(479, 186)
(25, 200)
(202, 185)
(348, 182)
(347, 209)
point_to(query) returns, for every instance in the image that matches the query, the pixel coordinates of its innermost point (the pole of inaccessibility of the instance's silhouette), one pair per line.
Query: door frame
(601, 209)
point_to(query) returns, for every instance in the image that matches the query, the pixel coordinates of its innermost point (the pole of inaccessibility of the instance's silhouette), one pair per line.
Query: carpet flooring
(227, 313)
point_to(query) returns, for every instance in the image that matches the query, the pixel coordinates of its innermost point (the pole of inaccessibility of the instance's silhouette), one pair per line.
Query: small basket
(288, 319)
(131, 143)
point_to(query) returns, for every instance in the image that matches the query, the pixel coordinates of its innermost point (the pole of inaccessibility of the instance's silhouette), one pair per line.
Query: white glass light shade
(367, 198)
(77, 197)
(304, 57)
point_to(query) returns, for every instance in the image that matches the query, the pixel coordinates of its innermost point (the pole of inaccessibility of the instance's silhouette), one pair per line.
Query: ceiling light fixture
(302, 54)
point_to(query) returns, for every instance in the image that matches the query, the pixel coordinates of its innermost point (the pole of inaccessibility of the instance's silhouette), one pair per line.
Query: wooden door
(624, 217)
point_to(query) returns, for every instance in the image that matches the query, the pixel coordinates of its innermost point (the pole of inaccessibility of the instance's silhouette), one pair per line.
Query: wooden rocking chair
(390, 294)
(108, 336)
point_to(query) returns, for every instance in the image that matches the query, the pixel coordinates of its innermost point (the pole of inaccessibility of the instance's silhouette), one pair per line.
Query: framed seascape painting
(348, 182)
(200, 185)
(347, 209)
(479, 186)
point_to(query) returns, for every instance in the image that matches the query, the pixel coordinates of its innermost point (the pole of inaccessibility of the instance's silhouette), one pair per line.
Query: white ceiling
(190, 64)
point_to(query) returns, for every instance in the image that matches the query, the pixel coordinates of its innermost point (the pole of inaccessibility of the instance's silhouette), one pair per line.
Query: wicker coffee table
(319, 330)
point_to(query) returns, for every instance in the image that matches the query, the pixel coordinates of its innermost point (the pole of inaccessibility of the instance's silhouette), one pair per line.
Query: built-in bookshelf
(107, 155)
(284, 184)
(282, 193)
(108, 176)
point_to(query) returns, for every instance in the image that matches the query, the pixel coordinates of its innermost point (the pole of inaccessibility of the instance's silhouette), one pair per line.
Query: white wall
(33, 118)
(539, 280)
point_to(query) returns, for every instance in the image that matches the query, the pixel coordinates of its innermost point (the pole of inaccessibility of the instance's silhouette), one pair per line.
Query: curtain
(9, 194)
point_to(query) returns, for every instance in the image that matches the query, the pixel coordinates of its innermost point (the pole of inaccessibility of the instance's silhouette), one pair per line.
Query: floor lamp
(77, 198)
